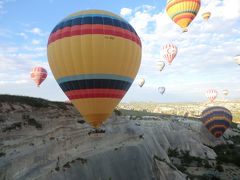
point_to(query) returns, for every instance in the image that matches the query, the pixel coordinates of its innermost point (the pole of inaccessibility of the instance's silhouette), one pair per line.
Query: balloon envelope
(216, 119)
(182, 12)
(169, 52)
(225, 92)
(211, 94)
(94, 56)
(160, 65)
(38, 74)
(237, 59)
(141, 82)
(161, 90)
(206, 15)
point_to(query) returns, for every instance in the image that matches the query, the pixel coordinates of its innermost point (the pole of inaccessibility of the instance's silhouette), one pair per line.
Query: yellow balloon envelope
(206, 15)
(182, 12)
(94, 56)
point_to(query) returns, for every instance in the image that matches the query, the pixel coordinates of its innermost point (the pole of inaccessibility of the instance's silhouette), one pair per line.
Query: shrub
(33, 122)
(67, 165)
(206, 164)
(2, 119)
(81, 121)
(2, 154)
(219, 168)
(228, 154)
(83, 161)
(181, 168)
(12, 127)
(235, 139)
(117, 112)
(173, 152)
(185, 157)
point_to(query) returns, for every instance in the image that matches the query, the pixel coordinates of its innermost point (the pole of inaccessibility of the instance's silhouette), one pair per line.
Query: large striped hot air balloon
(216, 119)
(169, 52)
(38, 74)
(211, 94)
(94, 56)
(182, 12)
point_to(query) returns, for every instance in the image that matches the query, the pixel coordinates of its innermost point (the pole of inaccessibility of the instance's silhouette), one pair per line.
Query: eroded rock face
(62, 148)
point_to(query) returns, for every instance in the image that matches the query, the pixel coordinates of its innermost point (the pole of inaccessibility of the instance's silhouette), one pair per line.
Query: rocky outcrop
(62, 148)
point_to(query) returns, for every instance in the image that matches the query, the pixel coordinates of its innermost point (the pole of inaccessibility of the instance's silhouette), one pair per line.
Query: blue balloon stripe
(94, 76)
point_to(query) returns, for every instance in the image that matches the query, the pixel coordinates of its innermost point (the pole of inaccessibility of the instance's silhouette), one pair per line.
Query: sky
(204, 59)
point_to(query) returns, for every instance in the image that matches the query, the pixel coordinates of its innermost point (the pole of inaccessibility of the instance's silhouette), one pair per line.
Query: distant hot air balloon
(94, 56)
(211, 94)
(141, 82)
(182, 12)
(160, 65)
(225, 92)
(169, 51)
(237, 59)
(38, 74)
(206, 15)
(161, 90)
(216, 119)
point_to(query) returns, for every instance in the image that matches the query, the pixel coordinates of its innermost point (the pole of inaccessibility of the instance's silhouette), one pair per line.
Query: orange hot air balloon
(169, 51)
(38, 74)
(182, 12)
(94, 56)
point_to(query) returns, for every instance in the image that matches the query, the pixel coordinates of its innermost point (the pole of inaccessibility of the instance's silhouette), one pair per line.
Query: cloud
(126, 11)
(226, 9)
(2, 11)
(23, 35)
(35, 42)
(205, 53)
(2, 4)
(37, 31)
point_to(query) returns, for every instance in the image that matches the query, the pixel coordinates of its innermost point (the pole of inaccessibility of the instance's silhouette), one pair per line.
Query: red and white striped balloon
(169, 51)
(38, 74)
(211, 94)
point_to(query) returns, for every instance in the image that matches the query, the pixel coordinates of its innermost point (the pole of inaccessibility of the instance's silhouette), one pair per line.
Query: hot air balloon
(211, 94)
(38, 74)
(216, 119)
(161, 90)
(206, 15)
(182, 12)
(169, 51)
(160, 65)
(141, 82)
(225, 92)
(94, 56)
(237, 59)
